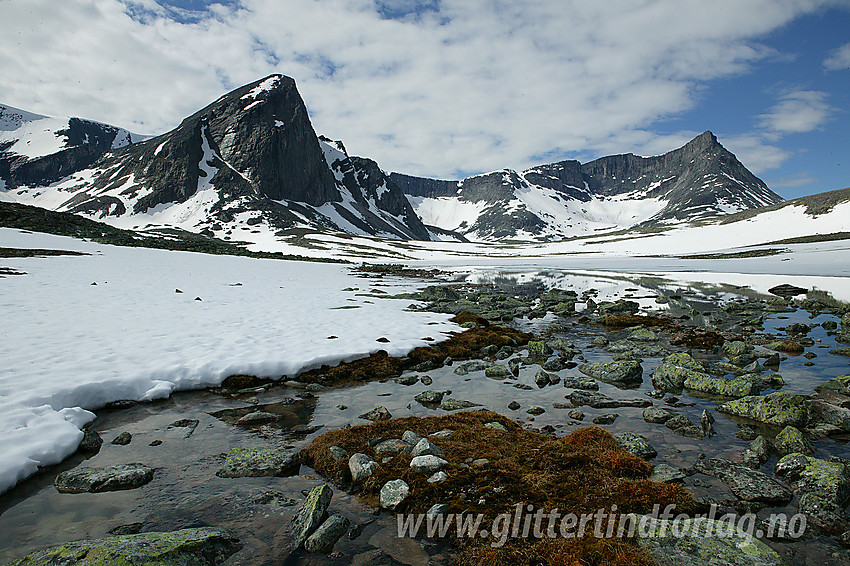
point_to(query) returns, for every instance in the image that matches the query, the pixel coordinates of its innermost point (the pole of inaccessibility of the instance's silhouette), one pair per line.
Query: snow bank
(69, 345)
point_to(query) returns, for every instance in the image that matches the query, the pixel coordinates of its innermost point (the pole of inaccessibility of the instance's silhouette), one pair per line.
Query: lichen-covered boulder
(626, 371)
(539, 350)
(312, 513)
(840, 384)
(674, 370)
(703, 541)
(718, 386)
(791, 440)
(780, 409)
(187, 547)
(259, 462)
(745, 483)
(497, 372)
(823, 487)
(636, 445)
(109, 478)
(361, 467)
(325, 537)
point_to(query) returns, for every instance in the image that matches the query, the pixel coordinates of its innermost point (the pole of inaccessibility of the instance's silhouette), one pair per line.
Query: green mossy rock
(718, 385)
(840, 384)
(188, 547)
(674, 370)
(259, 462)
(791, 440)
(627, 371)
(780, 409)
(704, 541)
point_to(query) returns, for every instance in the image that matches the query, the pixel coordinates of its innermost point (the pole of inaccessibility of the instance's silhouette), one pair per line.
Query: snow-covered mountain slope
(248, 162)
(43, 149)
(566, 199)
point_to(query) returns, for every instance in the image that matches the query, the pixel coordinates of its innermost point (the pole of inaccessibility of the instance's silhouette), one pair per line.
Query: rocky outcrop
(780, 409)
(109, 478)
(187, 547)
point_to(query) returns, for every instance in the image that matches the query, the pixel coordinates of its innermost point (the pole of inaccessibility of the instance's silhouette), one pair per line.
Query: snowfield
(70, 346)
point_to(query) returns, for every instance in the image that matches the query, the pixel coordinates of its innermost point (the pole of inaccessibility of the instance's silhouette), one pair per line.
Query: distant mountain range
(249, 166)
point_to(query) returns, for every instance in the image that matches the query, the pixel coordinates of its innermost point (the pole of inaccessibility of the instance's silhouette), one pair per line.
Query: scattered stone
(576, 414)
(605, 419)
(109, 478)
(439, 477)
(657, 415)
(474, 365)
(425, 447)
(636, 445)
(497, 372)
(718, 385)
(406, 380)
(706, 421)
(664, 473)
(762, 448)
(643, 335)
(535, 410)
(627, 371)
(91, 442)
(674, 370)
(259, 462)
(392, 446)
(123, 439)
(779, 409)
(312, 513)
(513, 405)
(379, 413)
(841, 352)
(427, 464)
(584, 383)
(325, 537)
(458, 404)
(429, 398)
(426, 380)
(361, 467)
(258, 418)
(197, 547)
(445, 433)
(393, 494)
(539, 350)
(745, 483)
(791, 440)
(411, 437)
(681, 425)
(543, 378)
(493, 426)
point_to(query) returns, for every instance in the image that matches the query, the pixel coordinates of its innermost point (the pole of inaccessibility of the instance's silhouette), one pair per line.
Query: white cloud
(797, 112)
(798, 180)
(461, 86)
(838, 60)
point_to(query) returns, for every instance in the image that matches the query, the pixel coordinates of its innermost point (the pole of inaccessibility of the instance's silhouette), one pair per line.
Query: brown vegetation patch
(580, 473)
(624, 320)
(466, 316)
(237, 382)
(693, 337)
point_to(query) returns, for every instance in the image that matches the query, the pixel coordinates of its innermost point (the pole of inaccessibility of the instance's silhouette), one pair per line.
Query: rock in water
(312, 513)
(704, 541)
(361, 467)
(787, 291)
(187, 547)
(627, 371)
(325, 537)
(259, 462)
(745, 483)
(91, 442)
(110, 478)
(780, 409)
(636, 445)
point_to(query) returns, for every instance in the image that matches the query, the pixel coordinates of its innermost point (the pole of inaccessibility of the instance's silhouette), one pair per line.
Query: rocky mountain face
(248, 161)
(699, 180)
(250, 167)
(38, 150)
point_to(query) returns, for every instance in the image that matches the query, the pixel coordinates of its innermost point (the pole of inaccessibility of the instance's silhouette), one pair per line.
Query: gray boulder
(109, 478)
(259, 462)
(636, 445)
(626, 371)
(779, 409)
(745, 483)
(427, 464)
(361, 467)
(393, 494)
(312, 513)
(324, 538)
(674, 370)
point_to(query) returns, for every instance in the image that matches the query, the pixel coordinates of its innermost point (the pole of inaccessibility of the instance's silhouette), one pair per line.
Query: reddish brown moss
(580, 473)
(243, 382)
(467, 316)
(379, 365)
(693, 337)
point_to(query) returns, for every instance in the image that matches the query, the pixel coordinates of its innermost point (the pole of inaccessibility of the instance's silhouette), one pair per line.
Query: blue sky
(448, 88)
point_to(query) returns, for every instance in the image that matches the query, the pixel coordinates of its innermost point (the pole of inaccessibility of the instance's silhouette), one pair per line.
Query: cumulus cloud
(838, 60)
(439, 88)
(797, 112)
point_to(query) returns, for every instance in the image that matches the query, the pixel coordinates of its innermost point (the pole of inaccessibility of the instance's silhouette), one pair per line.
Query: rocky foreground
(465, 460)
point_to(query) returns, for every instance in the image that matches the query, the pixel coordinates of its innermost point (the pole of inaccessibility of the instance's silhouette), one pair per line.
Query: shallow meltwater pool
(186, 437)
